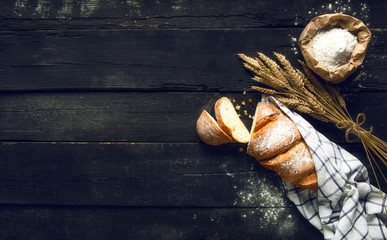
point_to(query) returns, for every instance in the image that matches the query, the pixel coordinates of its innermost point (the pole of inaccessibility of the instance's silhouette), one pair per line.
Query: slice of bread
(229, 120)
(209, 131)
(274, 140)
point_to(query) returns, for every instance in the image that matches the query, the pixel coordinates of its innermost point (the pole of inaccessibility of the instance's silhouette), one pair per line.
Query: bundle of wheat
(304, 92)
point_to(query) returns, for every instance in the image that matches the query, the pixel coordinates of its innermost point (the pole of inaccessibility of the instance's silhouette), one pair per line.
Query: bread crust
(219, 115)
(278, 145)
(208, 130)
(274, 138)
(264, 113)
(294, 165)
(310, 182)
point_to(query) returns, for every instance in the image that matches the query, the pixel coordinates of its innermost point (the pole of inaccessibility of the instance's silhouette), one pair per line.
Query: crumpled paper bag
(344, 21)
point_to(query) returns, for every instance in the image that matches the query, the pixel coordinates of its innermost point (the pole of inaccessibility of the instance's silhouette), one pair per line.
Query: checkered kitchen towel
(346, 205)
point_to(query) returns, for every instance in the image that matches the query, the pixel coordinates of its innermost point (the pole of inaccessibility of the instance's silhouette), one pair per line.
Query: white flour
(265, 204)
(358, 9)
(259, 191)
(333, 47)
(278, 135)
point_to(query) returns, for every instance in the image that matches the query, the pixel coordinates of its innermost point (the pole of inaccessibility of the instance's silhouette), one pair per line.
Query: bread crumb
(243, 103)
(237, 107)
(241, 149)
(250, 116)
(244, 92)
(250, 100)
(233, 100)
(239, 115)
(245, 112)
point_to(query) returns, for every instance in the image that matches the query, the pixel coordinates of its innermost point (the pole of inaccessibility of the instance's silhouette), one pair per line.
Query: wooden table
(98, 105)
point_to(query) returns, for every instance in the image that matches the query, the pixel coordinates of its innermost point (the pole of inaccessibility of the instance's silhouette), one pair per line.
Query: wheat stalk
(304, 92)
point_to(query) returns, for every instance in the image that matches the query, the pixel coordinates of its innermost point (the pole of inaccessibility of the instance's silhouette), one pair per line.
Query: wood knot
(354, 127)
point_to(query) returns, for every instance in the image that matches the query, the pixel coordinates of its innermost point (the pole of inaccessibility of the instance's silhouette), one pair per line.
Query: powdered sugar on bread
(274, 138)
(297, 163)
(278, 145)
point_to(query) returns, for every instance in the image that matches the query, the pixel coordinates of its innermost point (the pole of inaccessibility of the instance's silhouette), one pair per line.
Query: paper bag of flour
(327, 21)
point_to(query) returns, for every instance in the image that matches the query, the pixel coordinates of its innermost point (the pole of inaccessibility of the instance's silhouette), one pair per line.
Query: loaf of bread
(278, 145)
(273, 140)
(263, 116)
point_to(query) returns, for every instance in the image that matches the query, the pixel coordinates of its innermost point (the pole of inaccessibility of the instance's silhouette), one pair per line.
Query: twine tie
(354, 127)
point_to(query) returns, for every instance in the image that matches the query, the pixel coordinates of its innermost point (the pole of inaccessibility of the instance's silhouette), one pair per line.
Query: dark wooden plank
(156, 60)
(141, 174)
(135, 175)
(96, 84)
(189, 13)
(42, 223)
(141, 116)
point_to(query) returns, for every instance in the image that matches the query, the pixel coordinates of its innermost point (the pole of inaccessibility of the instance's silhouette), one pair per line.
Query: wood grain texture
(154, 60)
(127, 174)
(139, 174)
(153, 223)
(192, 14)
(98, 104)
(141, 116)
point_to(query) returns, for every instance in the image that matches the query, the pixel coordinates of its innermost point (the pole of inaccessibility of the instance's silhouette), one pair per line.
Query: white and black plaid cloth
(346, 205)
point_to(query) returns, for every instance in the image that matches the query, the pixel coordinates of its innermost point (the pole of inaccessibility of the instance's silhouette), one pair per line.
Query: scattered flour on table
(294, 45)
(19, 7)
(354, 8)
(88, 7)
(257, 190)
(43, 8)
(357, 9)
(177, 5)
(269, 219)
(269, 197)
(66, 10)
